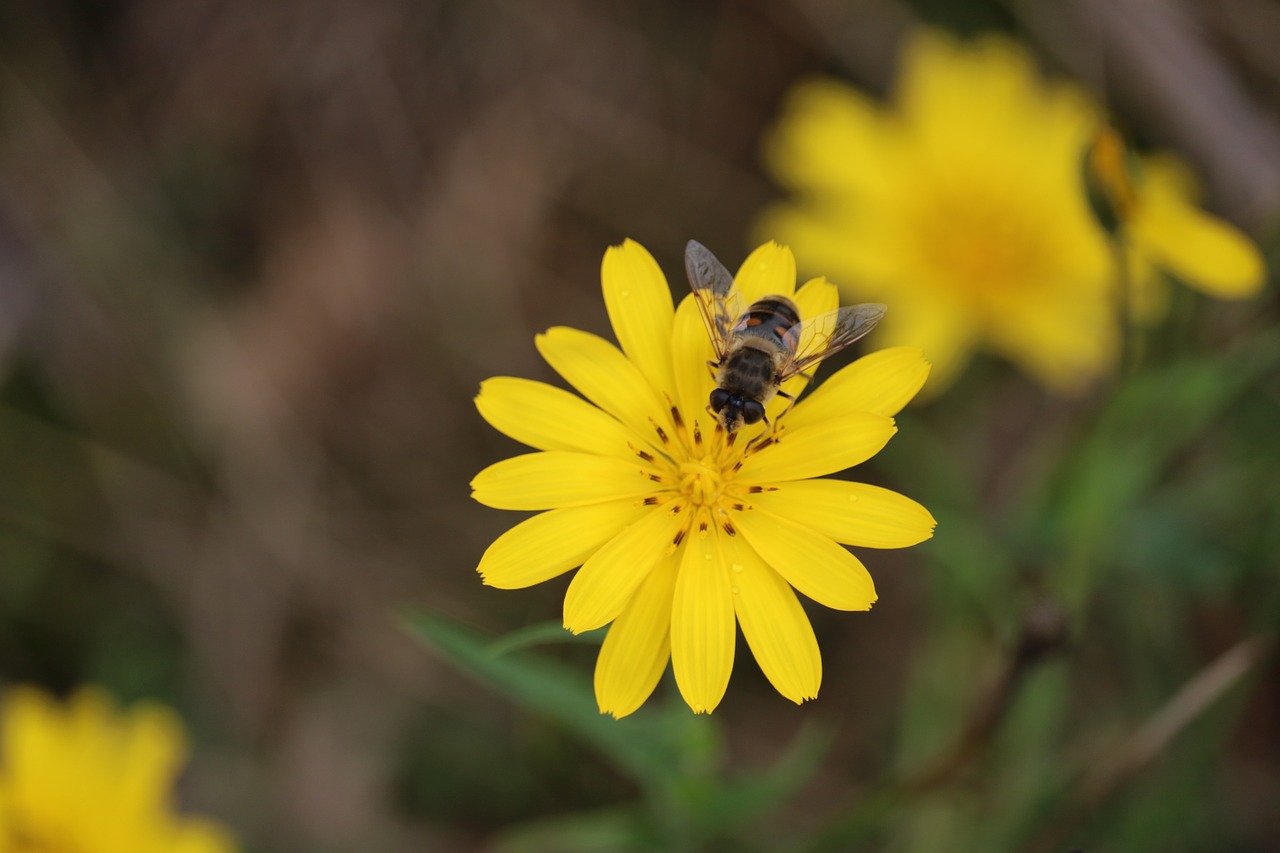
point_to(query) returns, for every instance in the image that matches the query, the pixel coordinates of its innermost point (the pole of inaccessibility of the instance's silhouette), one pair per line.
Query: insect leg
(765, 434)
(791, 398)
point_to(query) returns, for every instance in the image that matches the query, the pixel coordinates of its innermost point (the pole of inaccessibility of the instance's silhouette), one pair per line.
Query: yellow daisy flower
(682, 530)
(1149, 202)
(85, 777)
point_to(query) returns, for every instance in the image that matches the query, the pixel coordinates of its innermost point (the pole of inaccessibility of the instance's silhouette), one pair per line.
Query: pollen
(702, 482)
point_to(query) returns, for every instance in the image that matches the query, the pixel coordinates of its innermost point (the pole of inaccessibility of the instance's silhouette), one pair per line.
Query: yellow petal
(809, 561)
(768, 271)
(602, 587)
(1043, 334)
(550, 418)
(944, 326)
(605, 376)
(773, 623)
(1207, 253)
(638, 645)
(839, 238)
(959, 96)
(30, 724)
(831, 137)
(638, 300)
(694, 379)
(702, 624)
(818, 296)
(818, 447)
(551, 543)
(881, 382)
(850, 513)
(155, 747)
(558, 478)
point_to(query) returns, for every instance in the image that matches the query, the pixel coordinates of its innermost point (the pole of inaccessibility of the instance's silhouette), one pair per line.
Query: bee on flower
(762, 345)
(685, 523)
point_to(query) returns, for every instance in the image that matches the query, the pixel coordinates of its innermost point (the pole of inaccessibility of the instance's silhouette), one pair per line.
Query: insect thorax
(750, 370)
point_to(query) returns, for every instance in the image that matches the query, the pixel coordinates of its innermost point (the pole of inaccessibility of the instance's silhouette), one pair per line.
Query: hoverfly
(760, 346)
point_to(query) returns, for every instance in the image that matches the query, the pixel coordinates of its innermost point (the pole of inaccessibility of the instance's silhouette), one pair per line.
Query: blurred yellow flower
(681, 530)
(1149, 202)
(962, 205)
(85, 777)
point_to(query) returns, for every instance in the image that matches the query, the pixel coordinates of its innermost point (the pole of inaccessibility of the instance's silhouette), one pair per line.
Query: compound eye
(719, 399)
(752, 412)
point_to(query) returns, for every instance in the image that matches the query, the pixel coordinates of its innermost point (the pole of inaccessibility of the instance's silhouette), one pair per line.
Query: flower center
(981, 242)
(701, 481)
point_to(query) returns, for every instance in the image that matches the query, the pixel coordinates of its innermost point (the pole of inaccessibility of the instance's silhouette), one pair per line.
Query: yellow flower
(961, 205)
(85, 777)
(1149, 201)
(681, 530)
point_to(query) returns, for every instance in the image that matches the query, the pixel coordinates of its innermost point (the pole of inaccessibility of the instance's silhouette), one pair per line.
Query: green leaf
(634, 744)
(610, 831)
(542, 634)
(731, 806)
(1150, 422)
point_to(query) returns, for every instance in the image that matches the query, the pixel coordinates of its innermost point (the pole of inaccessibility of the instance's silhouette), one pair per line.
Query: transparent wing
(718, 300)
(826, 334)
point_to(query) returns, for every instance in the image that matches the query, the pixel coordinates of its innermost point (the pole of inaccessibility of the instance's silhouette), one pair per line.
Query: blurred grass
(675, 759)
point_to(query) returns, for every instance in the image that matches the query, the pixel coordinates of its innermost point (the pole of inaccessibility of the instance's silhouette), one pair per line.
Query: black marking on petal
(652, 500)
(731, 439)
(643, 454)
(657, 478)
(728, 527)
(679, 537)
(697, 433)
(662, 434)
(738, 506)
(702, 525)
(676, 419)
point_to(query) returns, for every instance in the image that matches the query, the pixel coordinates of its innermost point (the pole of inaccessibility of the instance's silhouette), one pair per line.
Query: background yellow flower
(961, 203)
(87, 777)
(1148, 203)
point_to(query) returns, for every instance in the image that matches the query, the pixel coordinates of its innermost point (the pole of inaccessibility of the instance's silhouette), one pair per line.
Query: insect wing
(718, 300)
(826, 334)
